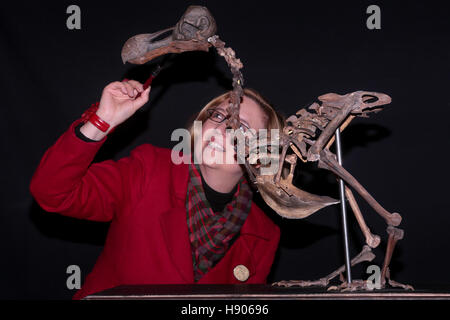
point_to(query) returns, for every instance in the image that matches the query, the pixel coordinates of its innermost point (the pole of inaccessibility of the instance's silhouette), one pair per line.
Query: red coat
(143, 196)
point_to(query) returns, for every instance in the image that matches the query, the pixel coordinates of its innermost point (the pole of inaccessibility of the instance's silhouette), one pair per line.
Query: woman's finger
(129, 89)
(120, 86)
(140, 101)
(116, 86)
(137, 85)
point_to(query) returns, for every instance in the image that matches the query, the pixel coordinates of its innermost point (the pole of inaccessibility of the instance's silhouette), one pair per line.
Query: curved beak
(141, 48)
(189, 34)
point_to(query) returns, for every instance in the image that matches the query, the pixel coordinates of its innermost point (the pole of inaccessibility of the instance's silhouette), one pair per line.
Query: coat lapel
(254, 225)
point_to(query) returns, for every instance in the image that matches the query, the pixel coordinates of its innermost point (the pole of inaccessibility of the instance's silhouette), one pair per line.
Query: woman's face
(217, 149)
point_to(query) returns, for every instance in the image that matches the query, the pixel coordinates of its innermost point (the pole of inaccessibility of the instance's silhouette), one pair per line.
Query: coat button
(241, 272)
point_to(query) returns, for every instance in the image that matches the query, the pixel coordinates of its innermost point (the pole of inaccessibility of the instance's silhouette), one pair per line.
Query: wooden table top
(263, 292)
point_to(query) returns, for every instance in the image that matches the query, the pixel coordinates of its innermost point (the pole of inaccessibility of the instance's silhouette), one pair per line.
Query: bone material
(189, 34)
(372, 240)
(365, 255)
(328, 161)
(308, 133)
(350, 103)
(395, 234)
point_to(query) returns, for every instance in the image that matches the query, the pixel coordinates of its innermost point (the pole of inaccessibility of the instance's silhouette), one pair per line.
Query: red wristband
(87, 114)
(91, 116)
(98, 122)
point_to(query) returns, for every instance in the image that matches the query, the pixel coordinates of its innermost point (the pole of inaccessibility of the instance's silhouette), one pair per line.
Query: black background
(292, 52)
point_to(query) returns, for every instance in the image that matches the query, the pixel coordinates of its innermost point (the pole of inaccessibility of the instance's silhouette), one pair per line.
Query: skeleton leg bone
(365, 255)
(327, 161)
(395, 234)
(372, 240)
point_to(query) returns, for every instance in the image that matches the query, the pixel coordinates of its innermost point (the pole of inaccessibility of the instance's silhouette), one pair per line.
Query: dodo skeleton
(307, 136)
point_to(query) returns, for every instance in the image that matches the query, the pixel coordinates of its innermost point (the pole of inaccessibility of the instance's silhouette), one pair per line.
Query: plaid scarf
(211, 234)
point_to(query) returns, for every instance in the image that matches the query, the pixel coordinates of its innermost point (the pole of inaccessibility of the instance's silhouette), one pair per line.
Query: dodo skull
(189, 34)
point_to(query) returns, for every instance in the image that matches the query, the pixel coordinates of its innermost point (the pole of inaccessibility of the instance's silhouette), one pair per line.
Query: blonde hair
(274, 119)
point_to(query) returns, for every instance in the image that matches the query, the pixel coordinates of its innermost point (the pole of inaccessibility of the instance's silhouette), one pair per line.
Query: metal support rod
(343, 208)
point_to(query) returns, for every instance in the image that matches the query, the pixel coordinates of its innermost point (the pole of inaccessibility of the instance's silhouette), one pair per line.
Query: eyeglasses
(219, 117)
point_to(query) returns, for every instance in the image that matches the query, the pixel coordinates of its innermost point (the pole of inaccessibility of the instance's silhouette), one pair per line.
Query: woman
(170, 224)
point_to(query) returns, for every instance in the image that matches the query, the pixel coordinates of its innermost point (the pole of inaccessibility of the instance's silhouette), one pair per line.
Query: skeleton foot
(362, 285)
(365, 255)
(355, 285)
(395, 284)
(301, 283)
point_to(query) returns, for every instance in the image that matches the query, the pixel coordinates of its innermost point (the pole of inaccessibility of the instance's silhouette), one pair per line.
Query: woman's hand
(117, 104)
